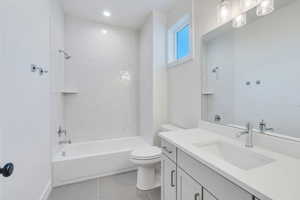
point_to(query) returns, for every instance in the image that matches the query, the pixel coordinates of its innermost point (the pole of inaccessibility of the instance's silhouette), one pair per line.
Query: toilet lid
(146, 153)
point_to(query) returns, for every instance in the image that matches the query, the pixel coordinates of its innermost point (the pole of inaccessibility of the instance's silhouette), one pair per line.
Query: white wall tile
(106, 107)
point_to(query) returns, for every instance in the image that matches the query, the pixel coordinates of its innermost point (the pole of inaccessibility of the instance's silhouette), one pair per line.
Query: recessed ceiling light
(106, 13)
(104, 31)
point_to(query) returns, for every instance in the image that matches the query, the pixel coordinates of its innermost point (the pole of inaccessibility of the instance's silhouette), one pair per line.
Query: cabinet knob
(7, 170)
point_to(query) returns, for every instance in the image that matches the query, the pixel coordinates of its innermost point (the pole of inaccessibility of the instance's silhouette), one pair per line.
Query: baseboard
(47, 191)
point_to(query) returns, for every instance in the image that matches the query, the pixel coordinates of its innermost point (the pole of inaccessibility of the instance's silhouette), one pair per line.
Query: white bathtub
(83, 161)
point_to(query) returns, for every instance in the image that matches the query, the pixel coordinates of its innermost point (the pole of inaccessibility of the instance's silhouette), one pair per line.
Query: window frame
(172, 41)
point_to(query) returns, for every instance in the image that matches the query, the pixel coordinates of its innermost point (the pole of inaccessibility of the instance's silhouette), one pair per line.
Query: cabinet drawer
(187, 188)
(169, 150)
(216, 184)
(168, 179)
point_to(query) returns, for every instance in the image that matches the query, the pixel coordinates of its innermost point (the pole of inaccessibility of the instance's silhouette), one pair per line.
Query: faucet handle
(61, 131)
(249, 126)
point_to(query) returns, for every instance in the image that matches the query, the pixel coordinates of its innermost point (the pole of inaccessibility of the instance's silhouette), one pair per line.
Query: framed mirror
(252, 73)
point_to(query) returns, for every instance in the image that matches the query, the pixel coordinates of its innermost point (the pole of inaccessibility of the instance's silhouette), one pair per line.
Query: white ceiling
(126, 13)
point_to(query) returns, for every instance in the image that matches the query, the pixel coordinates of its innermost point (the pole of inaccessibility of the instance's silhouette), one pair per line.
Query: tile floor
(116, 187)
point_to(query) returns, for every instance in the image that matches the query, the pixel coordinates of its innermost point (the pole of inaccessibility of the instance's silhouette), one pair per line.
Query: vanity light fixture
(265, 7)
(239, 21)
(106, 13)
(224, 11)
(247, 4)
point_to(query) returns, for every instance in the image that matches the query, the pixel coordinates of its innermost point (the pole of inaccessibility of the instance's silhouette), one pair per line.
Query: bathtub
(83, 161)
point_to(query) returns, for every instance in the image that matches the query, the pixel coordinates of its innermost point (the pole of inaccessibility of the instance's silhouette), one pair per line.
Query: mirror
(252, 73)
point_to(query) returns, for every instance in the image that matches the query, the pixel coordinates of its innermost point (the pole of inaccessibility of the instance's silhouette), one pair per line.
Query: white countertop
(279, 180)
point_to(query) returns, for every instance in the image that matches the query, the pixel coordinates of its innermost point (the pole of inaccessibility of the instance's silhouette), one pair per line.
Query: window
(179, 41)
(183, 42)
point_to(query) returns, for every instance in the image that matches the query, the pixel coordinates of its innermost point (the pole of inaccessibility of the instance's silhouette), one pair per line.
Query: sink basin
(240, 157)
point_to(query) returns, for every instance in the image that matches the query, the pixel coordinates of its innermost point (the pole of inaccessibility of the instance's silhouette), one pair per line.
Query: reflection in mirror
(251, 74)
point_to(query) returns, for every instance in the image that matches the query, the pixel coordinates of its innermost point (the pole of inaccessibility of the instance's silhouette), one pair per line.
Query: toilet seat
(146, 153)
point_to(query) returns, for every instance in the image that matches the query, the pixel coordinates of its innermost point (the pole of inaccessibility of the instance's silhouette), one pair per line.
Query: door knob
(7, 170)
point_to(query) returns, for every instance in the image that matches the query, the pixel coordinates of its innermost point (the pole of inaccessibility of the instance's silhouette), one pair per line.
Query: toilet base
(147, 178)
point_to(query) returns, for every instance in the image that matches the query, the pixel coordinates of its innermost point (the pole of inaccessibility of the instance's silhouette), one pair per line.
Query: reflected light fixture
(104, 31)
(265, 7)
(224, 11)
(106, 13)
(125, 76)
(247, 4)
(239, 21)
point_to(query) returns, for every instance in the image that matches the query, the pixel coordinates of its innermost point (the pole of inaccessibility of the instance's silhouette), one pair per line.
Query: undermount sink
(240, 157)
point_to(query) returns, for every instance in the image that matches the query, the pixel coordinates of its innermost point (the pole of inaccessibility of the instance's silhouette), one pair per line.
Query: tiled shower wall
(122, 186)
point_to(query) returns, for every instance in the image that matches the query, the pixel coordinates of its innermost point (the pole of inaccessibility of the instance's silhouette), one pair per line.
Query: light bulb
(104, 31)
(106, 13)
(224, 11)
(247, 4)
(239, 21)
(265, 7)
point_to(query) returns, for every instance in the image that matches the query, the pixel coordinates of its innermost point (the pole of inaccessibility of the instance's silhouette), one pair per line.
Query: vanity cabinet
(216, 184)
(208, 196)
(184, 178)
(169, 150)
(168, 178)
(187, 188)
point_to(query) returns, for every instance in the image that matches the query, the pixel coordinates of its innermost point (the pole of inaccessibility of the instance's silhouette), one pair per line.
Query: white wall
(153, 76)
(2, 63)
(24, 102)
(57, 70)
(146, 100)
(184, 80)
(160, 69)
(105, 107)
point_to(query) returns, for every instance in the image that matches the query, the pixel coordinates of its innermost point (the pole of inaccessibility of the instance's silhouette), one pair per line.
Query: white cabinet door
(208, 196)
(187, 188)
(168, 179)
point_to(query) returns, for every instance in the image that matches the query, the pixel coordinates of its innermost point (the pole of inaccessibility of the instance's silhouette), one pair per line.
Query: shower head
(66, 55)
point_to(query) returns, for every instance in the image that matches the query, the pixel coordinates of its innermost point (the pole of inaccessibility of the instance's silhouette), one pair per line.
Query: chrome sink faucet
(249, 133)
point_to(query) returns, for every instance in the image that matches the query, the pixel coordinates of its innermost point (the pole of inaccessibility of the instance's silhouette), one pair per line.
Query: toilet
(146, 159)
